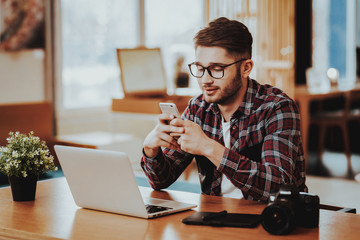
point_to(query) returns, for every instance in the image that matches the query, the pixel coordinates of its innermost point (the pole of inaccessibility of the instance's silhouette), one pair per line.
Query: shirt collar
(250, 95)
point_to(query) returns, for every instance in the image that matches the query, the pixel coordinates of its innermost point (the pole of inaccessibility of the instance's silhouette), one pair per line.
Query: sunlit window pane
(337, 36)
(334, 40)
(171, 25)
(91, 32)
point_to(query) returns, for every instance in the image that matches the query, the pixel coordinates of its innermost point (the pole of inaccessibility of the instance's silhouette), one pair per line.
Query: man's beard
(229, 93)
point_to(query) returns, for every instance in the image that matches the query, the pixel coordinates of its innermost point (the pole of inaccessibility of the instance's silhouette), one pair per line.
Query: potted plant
(23, 159)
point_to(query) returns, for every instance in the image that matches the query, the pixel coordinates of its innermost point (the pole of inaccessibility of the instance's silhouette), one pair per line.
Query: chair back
(26, 117)
(353, 104)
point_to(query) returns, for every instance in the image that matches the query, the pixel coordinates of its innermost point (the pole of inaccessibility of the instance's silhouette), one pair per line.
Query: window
(92, 30)
(172, 25)
(334, 38)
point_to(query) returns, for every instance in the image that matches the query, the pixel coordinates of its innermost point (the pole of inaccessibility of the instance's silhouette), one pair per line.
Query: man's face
(222, 91)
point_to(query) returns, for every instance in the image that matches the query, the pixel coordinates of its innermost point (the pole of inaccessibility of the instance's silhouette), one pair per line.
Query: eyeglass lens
(214, 70)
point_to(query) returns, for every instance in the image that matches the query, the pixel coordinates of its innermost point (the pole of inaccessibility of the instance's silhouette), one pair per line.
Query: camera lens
(278, 219)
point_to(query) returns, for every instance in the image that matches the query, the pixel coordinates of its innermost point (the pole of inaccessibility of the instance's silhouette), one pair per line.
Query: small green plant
(25, 155)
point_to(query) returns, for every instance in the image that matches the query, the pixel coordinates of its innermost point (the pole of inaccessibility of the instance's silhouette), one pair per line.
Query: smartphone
(169, 108)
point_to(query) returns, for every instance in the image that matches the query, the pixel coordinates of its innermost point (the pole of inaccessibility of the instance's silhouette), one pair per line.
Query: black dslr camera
(289, 208)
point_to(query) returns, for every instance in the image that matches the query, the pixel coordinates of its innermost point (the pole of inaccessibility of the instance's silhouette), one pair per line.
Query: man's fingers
(165, 140)
(178, 122)
(165, 118)
(173, 134)
(171, 129)
(171, 145)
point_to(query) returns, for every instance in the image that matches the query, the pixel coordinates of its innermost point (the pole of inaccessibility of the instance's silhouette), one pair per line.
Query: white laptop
(104, 180)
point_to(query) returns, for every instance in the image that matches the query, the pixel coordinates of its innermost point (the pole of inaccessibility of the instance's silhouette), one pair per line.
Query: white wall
(22, 76)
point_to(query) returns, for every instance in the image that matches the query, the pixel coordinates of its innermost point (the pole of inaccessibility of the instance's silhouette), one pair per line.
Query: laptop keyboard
(154, 208)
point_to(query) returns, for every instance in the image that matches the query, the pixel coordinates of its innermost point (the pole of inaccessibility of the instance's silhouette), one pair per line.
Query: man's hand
(160, 136)
(193, 140)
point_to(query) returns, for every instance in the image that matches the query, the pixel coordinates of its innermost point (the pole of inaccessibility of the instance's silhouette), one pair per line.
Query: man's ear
(247, 67)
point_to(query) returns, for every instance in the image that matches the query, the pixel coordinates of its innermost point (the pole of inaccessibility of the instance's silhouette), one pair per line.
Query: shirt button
(234, 127)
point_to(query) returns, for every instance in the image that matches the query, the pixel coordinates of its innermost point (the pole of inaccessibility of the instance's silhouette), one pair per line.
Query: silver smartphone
(169, 108)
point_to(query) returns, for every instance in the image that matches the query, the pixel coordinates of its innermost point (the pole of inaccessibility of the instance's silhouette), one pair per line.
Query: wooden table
(54, 215)
(304, 97)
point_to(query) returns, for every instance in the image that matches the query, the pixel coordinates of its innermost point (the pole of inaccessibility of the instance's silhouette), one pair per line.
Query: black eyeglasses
(215, 71)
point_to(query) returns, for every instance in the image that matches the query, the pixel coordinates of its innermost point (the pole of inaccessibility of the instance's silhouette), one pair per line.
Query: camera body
(289, 208)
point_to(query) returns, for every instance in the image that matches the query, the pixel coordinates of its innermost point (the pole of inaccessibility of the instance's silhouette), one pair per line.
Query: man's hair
(229, 34)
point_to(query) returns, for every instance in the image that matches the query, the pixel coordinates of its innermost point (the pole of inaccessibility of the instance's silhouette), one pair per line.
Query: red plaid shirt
(266, 146)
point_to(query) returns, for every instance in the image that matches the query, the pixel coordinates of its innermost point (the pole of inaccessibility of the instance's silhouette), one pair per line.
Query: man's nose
(206, 78)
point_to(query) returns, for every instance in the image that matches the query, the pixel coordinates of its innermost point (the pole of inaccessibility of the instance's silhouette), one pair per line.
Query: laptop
(104, 180)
